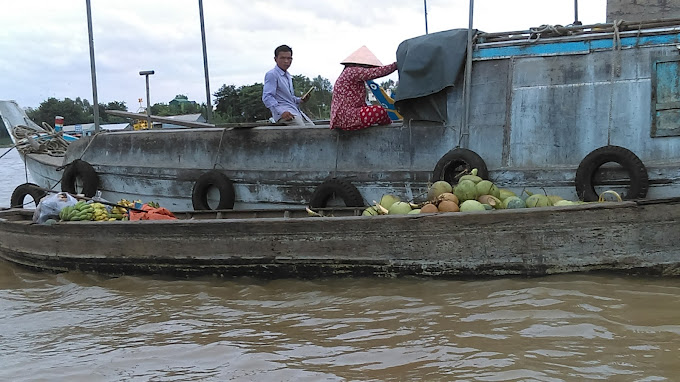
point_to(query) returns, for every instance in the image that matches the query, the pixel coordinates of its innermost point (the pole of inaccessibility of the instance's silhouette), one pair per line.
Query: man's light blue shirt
(277, 93)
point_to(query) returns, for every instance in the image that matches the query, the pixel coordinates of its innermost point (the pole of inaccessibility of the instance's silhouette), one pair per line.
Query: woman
(348, 107)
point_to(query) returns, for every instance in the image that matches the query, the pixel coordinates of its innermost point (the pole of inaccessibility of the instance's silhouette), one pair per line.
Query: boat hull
(627, 237)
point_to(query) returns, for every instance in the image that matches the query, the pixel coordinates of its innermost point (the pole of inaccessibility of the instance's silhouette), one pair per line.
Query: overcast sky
(44, 49)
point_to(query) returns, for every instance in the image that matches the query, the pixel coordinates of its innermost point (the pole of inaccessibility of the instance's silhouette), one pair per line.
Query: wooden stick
(10, 149)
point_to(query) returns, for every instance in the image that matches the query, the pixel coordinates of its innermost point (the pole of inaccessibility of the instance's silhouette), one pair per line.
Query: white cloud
(44, 48)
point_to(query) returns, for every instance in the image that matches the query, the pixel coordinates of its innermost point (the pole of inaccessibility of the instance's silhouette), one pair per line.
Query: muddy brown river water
(81, 327)
(84, 327)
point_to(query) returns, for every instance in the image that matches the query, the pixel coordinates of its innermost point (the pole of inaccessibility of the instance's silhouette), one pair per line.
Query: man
(278, 94)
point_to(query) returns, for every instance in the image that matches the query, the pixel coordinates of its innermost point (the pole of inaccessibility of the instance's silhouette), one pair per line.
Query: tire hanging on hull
(639, 180)
(213, 178)
(338, 188)
(79, 169)
(23, 190)
(458, 161)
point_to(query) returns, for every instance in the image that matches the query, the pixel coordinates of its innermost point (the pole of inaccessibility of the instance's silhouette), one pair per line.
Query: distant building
(198, 117)
(88, 128)
(183, 103)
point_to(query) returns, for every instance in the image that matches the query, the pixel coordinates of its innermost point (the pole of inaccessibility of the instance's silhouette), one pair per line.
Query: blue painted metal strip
(571, 47)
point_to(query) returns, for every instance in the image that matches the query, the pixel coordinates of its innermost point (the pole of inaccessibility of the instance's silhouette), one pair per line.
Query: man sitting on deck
(278, 94)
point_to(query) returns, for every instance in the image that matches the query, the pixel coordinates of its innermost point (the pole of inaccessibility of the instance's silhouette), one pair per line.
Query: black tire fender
(213, 178)
(340, 188)
(79, 169)
(639, 180)
(456, 161)
(23, 190)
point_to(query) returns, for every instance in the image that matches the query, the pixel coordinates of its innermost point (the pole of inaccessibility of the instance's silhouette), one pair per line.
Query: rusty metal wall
(639, 10)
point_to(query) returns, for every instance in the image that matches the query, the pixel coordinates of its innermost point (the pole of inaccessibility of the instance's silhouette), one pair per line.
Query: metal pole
(148, 105)
(425, 3)
(465, 128)
(576, 21)
(147, 73)
(205, 65)
(93, 71)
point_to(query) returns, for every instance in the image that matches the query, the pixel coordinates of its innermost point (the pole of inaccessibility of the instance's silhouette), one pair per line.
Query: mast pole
(208, 105)
(93, 71)
(465, 127)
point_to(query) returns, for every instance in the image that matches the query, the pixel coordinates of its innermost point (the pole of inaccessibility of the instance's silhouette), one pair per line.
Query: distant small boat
(631, 237)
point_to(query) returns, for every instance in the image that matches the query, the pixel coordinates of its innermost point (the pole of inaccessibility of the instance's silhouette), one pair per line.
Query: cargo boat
(573, 110)
(629, 237)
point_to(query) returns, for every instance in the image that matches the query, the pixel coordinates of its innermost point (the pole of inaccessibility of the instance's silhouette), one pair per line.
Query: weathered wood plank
(622, 237)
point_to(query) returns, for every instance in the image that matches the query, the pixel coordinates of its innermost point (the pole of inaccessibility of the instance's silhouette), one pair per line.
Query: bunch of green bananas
(77, 212)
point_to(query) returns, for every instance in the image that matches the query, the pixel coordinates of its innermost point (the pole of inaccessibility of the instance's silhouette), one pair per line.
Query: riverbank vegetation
(231, 104)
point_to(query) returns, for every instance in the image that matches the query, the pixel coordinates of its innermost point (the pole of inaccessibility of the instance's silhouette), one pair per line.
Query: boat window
(666, 97)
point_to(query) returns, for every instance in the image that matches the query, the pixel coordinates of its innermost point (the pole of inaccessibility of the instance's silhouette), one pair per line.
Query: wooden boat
(632, 237)
(554, 111)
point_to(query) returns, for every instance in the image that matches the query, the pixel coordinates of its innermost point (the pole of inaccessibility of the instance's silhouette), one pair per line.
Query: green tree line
(244, 104)
(76, 111)
(231, 104)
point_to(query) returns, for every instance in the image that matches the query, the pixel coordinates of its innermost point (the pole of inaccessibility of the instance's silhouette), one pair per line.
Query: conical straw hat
(362, 56)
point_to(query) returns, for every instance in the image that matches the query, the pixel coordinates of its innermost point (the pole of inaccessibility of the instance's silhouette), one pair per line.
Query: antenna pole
(425, 4)
(576, 21)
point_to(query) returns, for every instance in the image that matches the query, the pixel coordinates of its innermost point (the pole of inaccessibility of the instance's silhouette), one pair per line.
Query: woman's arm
(364, 74)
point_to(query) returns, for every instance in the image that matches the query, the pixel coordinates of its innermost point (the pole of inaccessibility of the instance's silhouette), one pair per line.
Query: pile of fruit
(95, 211)
(472, 193)
(77, 212)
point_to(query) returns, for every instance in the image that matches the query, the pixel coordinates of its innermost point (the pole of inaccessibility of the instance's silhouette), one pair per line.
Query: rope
(617, 35)
(616, 48)
(547, 31)
(47, 141)
(32, 140)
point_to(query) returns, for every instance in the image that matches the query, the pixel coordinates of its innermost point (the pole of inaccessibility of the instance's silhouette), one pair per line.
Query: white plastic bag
(50, 206)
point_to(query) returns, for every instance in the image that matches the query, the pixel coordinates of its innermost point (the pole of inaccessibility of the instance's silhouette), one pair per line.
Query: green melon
(473, 178)
(465, 190)
(472, 205)
(505, 193)
(399, 208)
(485, 187)
(439, 187)
(513, 202)
(387, 200)
(538, 200)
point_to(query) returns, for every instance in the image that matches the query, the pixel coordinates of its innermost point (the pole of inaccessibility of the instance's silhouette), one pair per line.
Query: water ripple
(80, 327)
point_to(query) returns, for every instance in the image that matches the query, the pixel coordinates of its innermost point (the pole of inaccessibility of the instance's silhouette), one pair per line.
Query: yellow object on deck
(140, 124)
